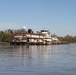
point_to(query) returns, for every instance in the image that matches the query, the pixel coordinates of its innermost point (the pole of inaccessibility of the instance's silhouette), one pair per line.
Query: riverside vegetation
(7, 36)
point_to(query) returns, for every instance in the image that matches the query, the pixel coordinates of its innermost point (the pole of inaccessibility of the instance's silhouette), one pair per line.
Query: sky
(58, 16)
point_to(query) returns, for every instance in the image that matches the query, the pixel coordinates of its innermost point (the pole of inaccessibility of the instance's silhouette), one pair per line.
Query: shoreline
(4, 42)
(39, 44)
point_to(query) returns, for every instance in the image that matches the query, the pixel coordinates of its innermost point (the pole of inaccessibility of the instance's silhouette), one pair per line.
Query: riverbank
(4, 43)
(8, 37)
(24, 43)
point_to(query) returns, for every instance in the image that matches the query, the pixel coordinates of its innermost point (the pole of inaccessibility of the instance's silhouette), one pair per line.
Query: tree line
(7, 36)
(68, 39)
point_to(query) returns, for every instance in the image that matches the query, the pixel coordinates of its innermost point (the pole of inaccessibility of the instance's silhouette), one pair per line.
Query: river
(38, 60)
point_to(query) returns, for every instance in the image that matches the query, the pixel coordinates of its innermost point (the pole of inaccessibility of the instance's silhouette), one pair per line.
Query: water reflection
(36, 60)
(26, 55)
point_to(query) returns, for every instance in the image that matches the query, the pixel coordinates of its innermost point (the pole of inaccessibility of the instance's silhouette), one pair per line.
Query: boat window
(44, 30)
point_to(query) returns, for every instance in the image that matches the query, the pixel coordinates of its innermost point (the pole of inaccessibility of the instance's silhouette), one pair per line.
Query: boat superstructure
(42, 37)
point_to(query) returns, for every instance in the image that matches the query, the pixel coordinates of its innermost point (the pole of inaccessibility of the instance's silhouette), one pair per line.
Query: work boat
(22, 37)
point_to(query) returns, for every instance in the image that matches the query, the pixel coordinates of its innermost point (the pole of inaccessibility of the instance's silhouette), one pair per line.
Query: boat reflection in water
(37, 59)
(32, 54)
(24, 56)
